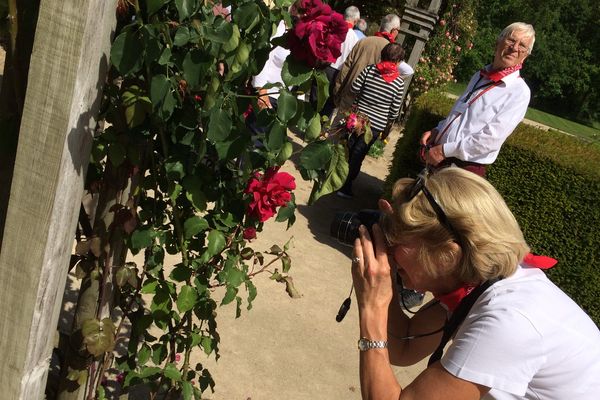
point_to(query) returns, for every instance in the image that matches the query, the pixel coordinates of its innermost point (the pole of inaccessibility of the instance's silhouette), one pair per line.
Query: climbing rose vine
(179, 171)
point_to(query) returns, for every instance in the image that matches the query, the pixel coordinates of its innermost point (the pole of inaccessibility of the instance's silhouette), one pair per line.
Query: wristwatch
(365, 344)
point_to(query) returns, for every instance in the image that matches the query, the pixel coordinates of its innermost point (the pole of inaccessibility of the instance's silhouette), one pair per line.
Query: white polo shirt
(526, 339)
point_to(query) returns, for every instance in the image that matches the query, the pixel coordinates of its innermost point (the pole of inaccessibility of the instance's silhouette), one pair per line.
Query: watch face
(366, 344)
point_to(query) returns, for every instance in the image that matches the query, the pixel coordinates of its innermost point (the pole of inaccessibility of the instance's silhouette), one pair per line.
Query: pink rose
(269, 191)
(250, 233)
(318, 36)
(351, 121)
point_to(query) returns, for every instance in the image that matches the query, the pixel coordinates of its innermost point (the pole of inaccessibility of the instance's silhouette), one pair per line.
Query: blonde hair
(491, 241)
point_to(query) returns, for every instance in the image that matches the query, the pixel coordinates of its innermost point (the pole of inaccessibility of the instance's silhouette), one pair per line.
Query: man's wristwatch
(365, 344)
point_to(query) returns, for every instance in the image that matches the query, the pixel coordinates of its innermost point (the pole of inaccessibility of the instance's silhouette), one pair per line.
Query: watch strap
(365, 344)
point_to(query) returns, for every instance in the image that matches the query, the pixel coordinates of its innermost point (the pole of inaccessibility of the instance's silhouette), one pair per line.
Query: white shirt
(526, 339)
(405, 70)
(347, 46)
(479, 132)
(271, 72)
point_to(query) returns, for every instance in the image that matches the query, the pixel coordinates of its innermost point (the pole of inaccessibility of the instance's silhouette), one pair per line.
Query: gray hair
(352, 14)
(362, 25)
(389, 22)
(527, 29)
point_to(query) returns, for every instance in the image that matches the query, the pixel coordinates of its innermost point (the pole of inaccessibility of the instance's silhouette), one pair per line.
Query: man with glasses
(483, 117)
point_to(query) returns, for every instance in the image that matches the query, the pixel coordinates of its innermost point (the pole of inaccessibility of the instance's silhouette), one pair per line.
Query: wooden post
(68, 67)
(425, 21)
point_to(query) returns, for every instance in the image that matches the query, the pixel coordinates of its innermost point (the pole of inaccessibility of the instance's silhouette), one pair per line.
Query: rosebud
(442, 22)
(177, 357)
(198, 97)
(250, 233)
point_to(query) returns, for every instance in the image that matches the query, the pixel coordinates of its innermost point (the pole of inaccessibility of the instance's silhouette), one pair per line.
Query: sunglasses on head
(419, 186)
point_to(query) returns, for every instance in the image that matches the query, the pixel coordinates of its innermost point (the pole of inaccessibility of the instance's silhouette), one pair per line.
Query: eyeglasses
(513, 43)
(418, 187)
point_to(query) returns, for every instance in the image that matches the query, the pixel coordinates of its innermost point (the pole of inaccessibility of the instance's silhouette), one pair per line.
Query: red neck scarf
(388, 70)
(497, 75)
(350, 25)
(385, 35)
(452, 300)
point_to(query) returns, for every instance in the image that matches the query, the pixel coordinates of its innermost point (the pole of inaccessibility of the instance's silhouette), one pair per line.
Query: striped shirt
(378, 99)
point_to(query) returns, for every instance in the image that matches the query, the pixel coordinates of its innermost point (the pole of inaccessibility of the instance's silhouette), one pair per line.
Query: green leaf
(286, 212)
(122, 276)
(98, 336)
(247, 16)
(142, 238)
(207, 344)
(316, 155)
(161, 94)
(335, 176)
(186, 299)
(136, 104)
(322, 89)
(187, 390)
(221, 34)
(229, 295)
(277, 136)
(286, 106)
(234, 276)
(185, 8)
(234, 40)
(219, 125)
(153, 6)
(174, 169)
(172, 372)
(286, 263)
(126, 53)
(181, 273)
(194, 225)
(165, 57)
(195, 65)
(149, 287)
(117, 153)
(143, 354)
(295, 73)
(194, 193)
(313, 130)
(252, 292)
(285, 152)
(182, 36)
(216, 242)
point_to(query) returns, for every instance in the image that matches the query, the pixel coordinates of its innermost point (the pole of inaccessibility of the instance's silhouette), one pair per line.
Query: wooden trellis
(68, 67)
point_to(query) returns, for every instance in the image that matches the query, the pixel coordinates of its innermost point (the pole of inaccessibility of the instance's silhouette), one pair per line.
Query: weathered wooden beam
(68, 67)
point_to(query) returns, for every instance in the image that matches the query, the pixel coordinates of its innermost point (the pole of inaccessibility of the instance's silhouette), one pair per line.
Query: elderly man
(483, 117)
(360, 29)
(365, 52)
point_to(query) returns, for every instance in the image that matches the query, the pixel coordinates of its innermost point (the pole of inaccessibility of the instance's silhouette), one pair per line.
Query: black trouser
(357, 151)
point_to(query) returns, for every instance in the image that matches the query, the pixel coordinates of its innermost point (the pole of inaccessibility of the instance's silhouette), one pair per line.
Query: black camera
(344, 226)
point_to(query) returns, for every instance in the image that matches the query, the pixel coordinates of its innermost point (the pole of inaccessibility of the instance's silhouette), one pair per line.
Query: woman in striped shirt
(379, 89)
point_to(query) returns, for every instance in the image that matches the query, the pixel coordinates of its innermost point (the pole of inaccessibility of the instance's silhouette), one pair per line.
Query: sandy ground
(288, 348)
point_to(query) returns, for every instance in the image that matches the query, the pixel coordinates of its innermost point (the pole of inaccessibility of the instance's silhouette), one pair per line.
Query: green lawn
(542, 117)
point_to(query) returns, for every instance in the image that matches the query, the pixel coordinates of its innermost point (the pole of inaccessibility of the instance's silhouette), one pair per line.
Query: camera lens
(344, 226)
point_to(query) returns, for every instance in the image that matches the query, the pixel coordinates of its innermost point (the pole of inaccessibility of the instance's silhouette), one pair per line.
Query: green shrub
(551, 182)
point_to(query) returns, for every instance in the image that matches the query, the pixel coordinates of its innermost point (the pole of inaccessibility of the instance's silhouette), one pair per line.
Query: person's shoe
(343, 195)
(410, 298)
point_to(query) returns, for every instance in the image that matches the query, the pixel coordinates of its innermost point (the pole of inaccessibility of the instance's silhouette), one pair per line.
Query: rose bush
(178, 171)
(451, 38)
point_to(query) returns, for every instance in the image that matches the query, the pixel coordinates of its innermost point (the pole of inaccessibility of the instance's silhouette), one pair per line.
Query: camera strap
(458, 316)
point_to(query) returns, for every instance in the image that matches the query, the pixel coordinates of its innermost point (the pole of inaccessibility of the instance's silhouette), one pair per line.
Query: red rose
(318, 36)
(269, 191)
(250, 233)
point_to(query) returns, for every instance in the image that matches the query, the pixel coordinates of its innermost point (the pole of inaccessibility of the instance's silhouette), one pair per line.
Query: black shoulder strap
(458, 316)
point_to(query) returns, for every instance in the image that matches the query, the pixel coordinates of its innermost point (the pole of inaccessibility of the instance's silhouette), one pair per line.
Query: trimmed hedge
(551, 182)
